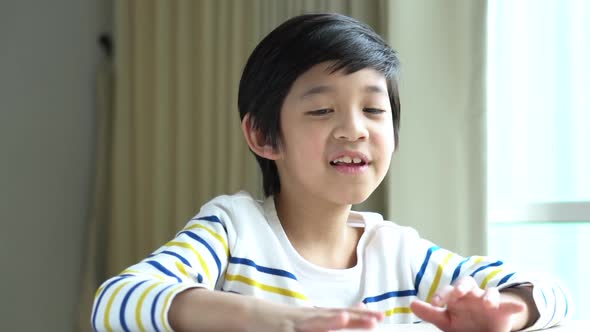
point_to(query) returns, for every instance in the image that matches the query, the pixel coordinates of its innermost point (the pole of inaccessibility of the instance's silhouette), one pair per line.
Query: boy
(319, 105)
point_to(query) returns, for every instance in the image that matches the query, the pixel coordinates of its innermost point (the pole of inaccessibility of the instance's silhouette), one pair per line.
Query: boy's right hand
(302, 319)
(203, 310)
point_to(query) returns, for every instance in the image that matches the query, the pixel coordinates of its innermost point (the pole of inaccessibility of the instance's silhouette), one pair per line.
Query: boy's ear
(256, 141)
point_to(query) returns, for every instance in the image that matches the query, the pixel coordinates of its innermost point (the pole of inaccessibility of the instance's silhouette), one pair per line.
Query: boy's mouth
(350, 162)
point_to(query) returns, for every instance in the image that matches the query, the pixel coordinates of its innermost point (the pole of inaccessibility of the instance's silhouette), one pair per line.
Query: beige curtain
(173, 140)
(437, 180)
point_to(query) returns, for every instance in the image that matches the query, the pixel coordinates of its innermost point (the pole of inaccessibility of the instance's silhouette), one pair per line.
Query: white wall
(48, 56)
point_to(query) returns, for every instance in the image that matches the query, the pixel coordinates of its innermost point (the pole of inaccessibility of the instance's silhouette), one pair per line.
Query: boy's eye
(323, 111)
(373, 110)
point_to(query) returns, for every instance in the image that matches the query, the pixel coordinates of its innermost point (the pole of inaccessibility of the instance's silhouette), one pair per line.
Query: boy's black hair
(290, 50)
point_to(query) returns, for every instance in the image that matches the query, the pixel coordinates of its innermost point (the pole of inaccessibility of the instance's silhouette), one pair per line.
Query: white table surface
(574, 326)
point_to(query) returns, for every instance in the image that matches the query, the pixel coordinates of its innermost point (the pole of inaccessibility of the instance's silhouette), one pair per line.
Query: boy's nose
(351, 128)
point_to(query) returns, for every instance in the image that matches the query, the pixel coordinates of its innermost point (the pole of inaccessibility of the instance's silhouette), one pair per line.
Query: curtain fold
(174, 138)
(93, 266)
(437, 180)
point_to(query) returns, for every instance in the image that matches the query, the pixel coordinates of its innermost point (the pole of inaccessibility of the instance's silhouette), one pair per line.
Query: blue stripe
(458, 269)
(124, 306)
(153, 310)
(211, 219)
(564, 300)
(409, 292)
(164, 270)
(423, 267)
(554, 307)
(544, 298)
(104, 290)
(230, 291)
(277, 272)
(199, 239)
(498, 263)
(505, 279)
(182, 259)
(199, 278)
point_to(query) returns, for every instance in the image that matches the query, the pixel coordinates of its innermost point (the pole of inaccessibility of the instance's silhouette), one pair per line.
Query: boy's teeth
(348, 160)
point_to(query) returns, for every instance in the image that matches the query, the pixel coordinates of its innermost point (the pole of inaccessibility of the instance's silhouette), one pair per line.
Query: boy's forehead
(322, 78)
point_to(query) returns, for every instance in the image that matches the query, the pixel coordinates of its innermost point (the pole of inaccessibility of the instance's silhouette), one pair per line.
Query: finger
(361, 322)
(441, 298)
(324, 322)
(336, 320)
(360, 305)
(511, 307)
(465, 285)
(491, 298)
(362, 312)
(452, 293)
(430, 313)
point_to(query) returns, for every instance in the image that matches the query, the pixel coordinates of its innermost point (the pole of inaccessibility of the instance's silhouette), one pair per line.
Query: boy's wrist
(523, 295)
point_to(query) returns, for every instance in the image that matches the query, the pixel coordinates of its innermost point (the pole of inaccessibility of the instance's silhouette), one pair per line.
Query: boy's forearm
(198, 309)
(525, 295)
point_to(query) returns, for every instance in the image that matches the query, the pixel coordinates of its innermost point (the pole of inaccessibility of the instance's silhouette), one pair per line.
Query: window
(539, 138)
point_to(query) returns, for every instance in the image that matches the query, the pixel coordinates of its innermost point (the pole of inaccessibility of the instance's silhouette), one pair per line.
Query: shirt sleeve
(435, 268)
(138, 299)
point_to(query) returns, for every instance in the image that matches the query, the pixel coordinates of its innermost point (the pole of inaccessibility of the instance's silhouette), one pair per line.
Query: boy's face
(337, 135)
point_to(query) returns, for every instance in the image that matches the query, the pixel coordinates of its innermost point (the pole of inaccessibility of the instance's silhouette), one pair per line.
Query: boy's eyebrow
(316, 90)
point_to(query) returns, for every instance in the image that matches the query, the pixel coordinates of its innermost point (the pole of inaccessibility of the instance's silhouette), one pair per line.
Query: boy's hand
(203, 310)
(464, 307)
(300, 319)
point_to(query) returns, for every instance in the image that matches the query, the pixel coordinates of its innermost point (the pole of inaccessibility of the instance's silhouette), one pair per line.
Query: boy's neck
(318, 229)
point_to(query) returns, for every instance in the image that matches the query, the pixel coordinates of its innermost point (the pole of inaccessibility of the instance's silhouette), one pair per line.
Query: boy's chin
(353, 198)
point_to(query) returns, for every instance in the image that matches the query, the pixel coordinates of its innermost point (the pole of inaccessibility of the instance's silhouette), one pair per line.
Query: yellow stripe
(214, 234)
(166, 300)
(484, 283)
(478, 260)
(398, 310)
(439, 272)
(144, 272)
(196, 253)
(181, 268)
(98, 291)
(268, 288)
(107, 312)
(140, 304)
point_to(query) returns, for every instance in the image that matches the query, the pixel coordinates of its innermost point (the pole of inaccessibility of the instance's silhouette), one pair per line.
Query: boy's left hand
(464, 307)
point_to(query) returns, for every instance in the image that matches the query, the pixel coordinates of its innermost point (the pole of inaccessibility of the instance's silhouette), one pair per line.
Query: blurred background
(118, 120)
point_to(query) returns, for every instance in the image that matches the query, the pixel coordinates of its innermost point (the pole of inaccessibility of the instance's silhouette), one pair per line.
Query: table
(573, 326)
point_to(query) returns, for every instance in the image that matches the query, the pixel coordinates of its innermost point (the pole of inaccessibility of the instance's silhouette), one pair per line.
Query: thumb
(430, 313)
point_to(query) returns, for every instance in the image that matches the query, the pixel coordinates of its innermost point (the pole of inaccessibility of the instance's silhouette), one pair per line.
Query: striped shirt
(236, 244)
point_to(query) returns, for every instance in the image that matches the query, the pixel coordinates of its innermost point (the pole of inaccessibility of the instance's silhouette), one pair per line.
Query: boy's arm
(204, 310)
(139, 298)
(466, 307)
(437, 269)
